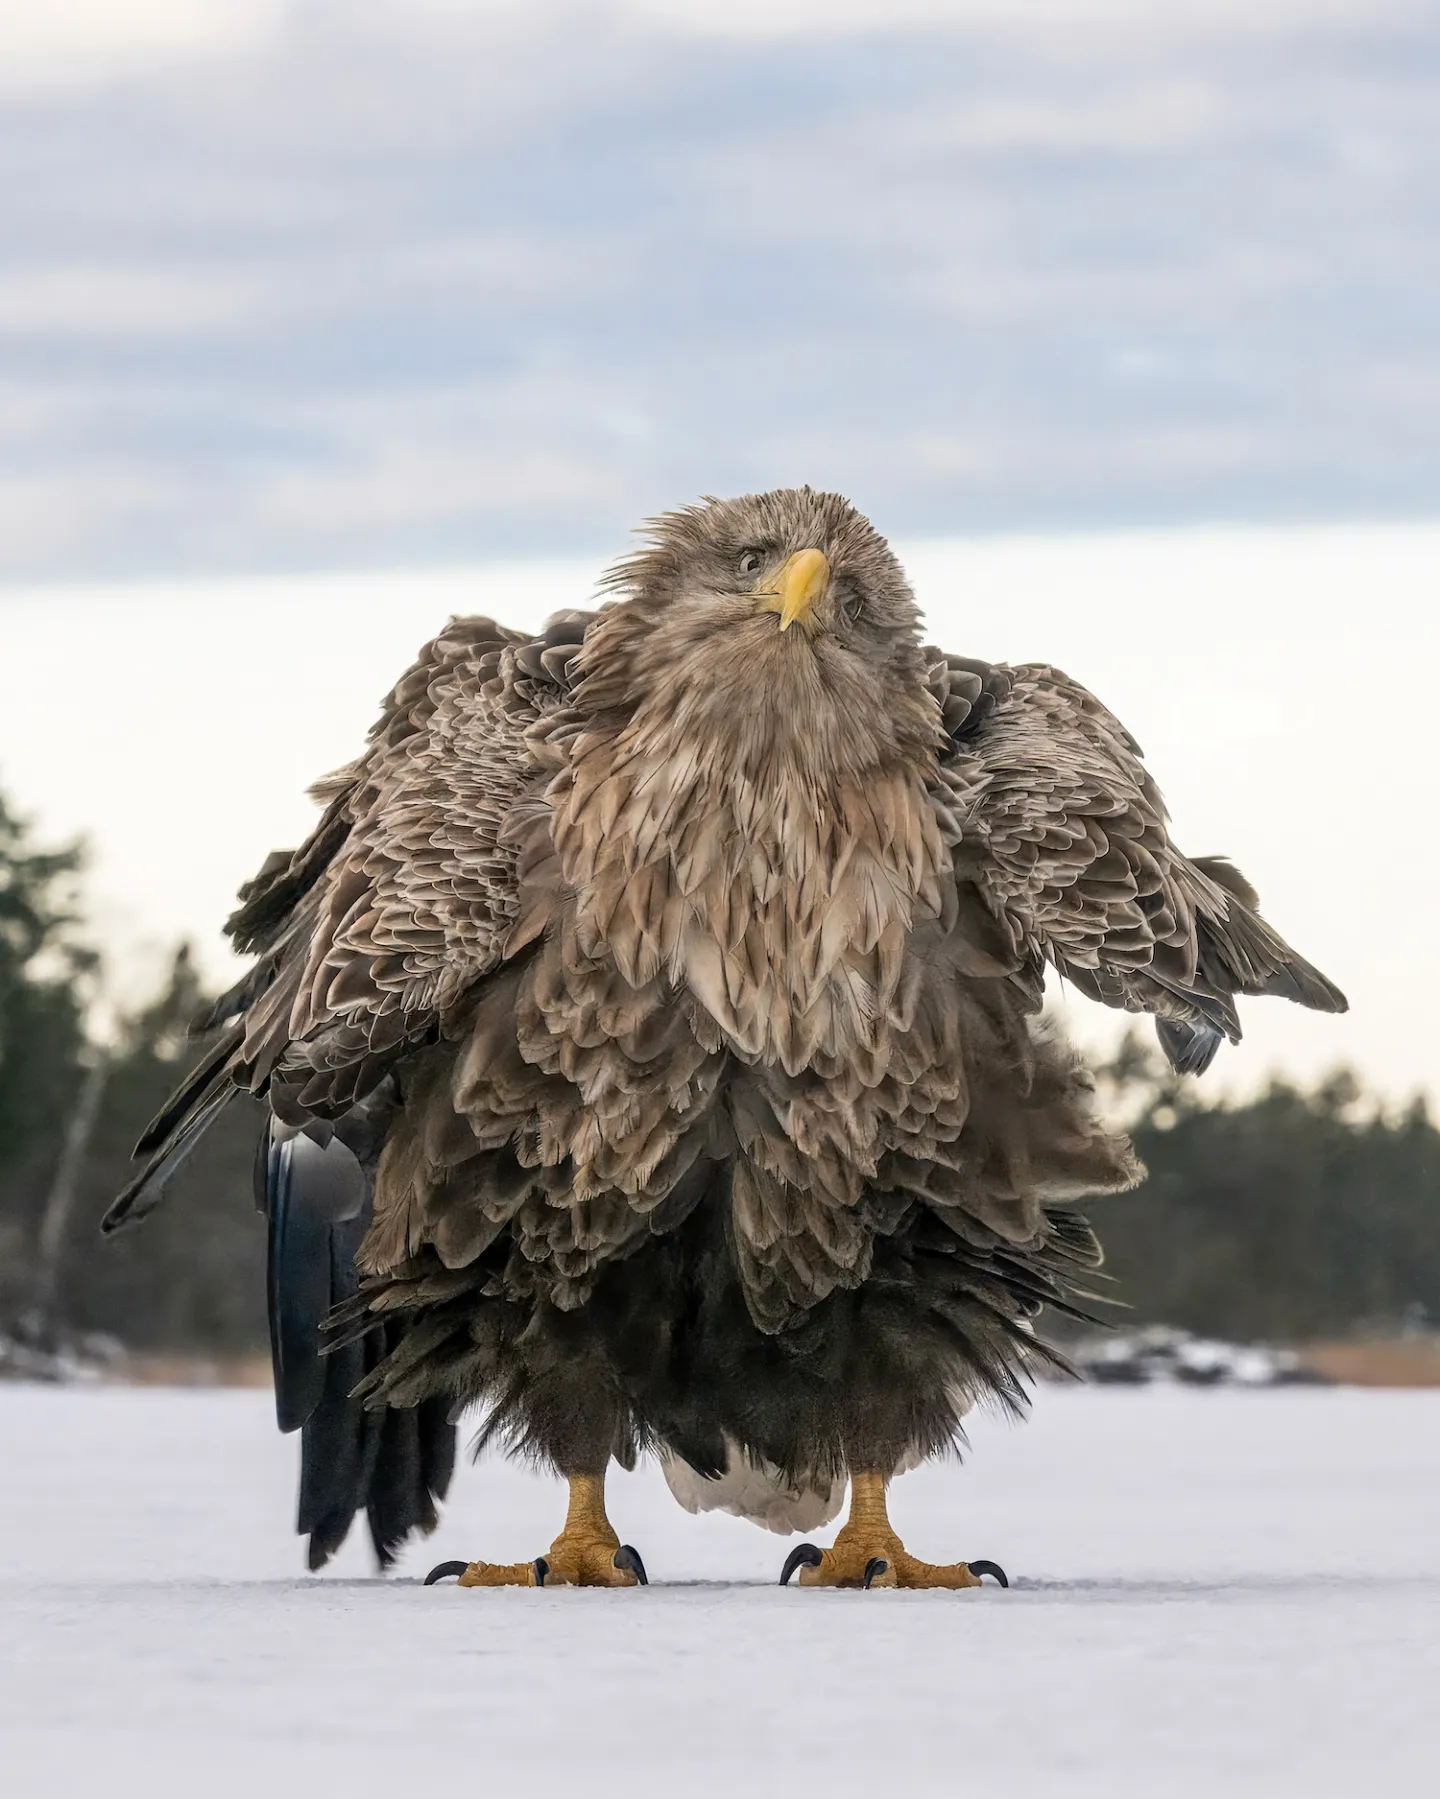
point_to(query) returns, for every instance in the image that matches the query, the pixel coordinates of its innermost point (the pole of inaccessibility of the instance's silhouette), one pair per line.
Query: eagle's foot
(868, 1559)
(579, 1558)
(587, 1553)
(504, 1574)
(868, 1553)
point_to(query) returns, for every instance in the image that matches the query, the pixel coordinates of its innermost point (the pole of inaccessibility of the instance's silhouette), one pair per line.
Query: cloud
(1115, 118)
(69, 44)
(388, 280)
(1053, 24)
(97, 300)
(59, 45)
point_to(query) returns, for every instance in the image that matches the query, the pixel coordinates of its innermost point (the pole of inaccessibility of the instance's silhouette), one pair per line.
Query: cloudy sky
(339, 283)
(321, 319)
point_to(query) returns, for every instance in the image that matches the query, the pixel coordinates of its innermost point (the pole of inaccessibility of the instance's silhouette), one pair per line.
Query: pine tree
(44, 972)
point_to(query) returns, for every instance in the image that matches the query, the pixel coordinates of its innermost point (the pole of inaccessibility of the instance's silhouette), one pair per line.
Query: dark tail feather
(315, 1197)
(393, 1465)
(412, 1472)
(339, 1448)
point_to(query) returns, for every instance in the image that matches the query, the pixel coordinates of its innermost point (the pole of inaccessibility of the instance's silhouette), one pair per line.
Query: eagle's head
(743, 796)
(779, 629)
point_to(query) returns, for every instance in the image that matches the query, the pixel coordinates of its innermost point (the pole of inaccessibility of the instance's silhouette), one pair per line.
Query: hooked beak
(798, 584)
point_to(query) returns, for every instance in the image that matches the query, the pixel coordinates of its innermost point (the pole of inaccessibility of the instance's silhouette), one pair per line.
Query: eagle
(651, 1043)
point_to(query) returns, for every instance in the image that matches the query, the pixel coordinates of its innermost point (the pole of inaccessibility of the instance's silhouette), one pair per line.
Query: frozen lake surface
(1217, 1592)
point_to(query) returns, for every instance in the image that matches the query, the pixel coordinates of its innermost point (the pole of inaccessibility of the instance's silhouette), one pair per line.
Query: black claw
(979, 1568)
(628, 1561)
(444, 1571)
(803, 1555)
(874, 1568)
(542, 1568)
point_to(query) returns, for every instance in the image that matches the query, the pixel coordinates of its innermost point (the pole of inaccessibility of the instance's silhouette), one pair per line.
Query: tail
(755, 1490)
(394, 1465)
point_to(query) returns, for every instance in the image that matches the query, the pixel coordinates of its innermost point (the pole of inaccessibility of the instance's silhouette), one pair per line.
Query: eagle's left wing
(1052, 814)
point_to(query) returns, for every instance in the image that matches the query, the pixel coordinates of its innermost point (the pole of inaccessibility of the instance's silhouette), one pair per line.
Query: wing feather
(1050, 811)
(400, 900)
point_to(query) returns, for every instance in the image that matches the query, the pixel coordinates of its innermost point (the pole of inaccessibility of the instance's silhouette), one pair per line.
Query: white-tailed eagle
(649, 1032)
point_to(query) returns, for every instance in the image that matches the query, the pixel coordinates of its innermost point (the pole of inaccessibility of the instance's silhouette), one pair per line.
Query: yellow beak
(799, 582)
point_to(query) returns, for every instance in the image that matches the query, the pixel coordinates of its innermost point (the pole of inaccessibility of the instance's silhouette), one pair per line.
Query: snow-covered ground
(1215, 1592)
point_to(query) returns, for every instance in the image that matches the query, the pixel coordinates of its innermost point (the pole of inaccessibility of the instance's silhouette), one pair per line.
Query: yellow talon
(587, 1553)
(501, 1574)
(868, 1553)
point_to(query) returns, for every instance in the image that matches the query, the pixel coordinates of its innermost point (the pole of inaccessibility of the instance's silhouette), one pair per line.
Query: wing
(402, 898)
(1052, 815)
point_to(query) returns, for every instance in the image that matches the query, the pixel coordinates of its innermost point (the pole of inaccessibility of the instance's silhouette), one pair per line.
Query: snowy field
(1214, 1593)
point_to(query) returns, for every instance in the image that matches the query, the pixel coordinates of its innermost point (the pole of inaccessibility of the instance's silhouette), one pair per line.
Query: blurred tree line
(191, 1277)
(1291, 1216)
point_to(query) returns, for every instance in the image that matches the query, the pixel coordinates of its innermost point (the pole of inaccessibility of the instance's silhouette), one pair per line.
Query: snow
(1215, 1591)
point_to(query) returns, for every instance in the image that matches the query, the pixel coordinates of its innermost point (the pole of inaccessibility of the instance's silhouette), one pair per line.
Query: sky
(322, 319)
(312, 284)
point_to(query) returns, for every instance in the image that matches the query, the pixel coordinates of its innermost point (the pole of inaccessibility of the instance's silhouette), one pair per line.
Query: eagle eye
(750, 561)
(851, 602)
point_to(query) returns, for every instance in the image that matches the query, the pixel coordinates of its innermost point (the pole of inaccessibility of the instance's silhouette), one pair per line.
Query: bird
(652, 1043)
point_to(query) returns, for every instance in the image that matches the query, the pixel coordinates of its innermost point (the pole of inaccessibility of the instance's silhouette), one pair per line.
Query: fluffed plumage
(671, 980)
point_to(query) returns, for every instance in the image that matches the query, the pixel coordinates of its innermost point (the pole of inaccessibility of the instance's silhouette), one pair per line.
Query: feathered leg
(587, 1553)
(868, 1553)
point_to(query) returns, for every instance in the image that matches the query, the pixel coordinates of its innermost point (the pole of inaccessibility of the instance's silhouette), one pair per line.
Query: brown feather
(701, 960)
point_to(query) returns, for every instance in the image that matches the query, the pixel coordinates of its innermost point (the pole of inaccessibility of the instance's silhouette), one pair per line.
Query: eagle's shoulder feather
(415, 901)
